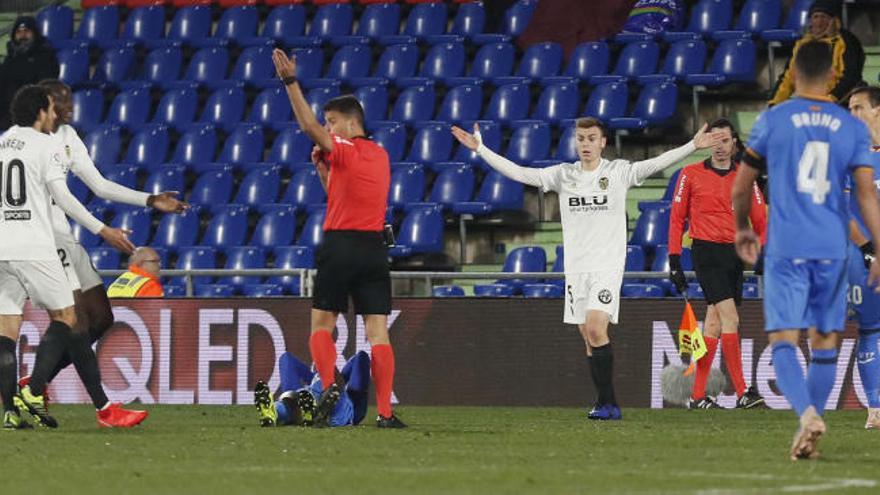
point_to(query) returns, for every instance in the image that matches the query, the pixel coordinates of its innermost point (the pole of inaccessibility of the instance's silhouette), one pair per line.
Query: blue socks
(869, 365)
(790, 377)
(294, 373)
(820, 377)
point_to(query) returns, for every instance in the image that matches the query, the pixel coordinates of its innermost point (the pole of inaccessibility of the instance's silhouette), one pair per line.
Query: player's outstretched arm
(528, 176)
(702, 140)
(748, 245)
(866, 195)
(286, 69)
(166, 202)
(75, 210)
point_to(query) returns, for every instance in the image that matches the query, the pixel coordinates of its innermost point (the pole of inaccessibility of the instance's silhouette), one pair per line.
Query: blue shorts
(801, 294)
(864, 302)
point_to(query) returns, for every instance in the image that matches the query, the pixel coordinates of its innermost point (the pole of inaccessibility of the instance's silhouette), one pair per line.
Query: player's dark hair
(347, 105)
(27, 103)
(873, 93)
(813, 60)
(589, 123)
(723, 123)
(54, 86)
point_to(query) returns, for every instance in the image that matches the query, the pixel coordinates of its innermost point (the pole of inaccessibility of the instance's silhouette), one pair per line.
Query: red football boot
(114, 416)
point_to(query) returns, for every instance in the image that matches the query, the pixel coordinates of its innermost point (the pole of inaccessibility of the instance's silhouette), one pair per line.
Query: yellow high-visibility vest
(127, 285)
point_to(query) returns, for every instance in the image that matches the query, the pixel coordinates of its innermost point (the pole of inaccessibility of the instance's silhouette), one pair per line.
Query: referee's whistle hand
(747, 246)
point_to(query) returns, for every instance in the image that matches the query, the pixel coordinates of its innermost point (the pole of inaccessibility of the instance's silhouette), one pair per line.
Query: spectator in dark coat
(29, 60)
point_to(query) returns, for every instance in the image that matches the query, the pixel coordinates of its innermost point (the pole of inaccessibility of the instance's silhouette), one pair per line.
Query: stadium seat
(454, 184)
(224, 108)
(431, 144)
(137, 221)
(79, 190)
(497, 193)
(407, 186)
(87, 239)
(175, 231)
(115, 66)
(558, 101)
(683, 57)
(309, 63)
(291, 147)
(379, 20)
(288, 257)
(652, 229)
(707, 17)
(144, 24)
(73, 65)
(695, 291)
(588, 60)
(397, 62)
(242, 258)
(312, 233)
(420, 232)
(443, 62)
(425, 20)
(461, 103)
(447, 290)
(237, 23)
(55, 23)
(607, 101)
(657, 105)
(88, 109)
(162, 66)
(208, 65)
(98, 25)
(148, 147)
(795, 22)
(317, 97)
(755, 17)
(284, 23)
(374, 100)
(262, 290)
(174, 290)
(541, 60)
(566, 150)
(493, 290)
(254, 66)
(492, 62)
(491, 133)
(630, 290)
(243, 145)
(227, 228)
(508, 103)
(541, 290)
(124, 175)
(670, 187)
(530, 142)
(275, 228)
(104, 145)
(414, 104)
(734, 60)
(526, 259)
(190, 24)
(635, 258)
(661, 259)
(213, 290)
(636, 59)
(196, 145)
(105, 258)
(212, 188)
(750, 291)
(517, 17)
(195, 257)
(349, 62)
(130, 109)
(260, 185)
(392, 137)
(177, 109)
(271, 107)
(331, 20)
(470, 18)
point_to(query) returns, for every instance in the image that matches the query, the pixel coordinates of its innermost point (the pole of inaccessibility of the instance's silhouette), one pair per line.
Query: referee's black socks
(8, 372)
(602, 369)
(52, 347)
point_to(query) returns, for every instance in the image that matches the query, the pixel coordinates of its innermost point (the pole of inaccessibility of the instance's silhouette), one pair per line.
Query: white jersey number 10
(813, 171)
(13, 190)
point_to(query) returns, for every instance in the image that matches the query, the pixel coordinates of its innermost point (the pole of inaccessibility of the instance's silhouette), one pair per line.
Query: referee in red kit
(703, 201)
(352, 261)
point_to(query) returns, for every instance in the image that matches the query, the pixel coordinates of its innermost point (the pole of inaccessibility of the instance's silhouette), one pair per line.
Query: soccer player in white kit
(592, 202)
(30, 177)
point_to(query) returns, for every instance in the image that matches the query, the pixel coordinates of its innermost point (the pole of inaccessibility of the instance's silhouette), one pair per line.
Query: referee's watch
(288, 80)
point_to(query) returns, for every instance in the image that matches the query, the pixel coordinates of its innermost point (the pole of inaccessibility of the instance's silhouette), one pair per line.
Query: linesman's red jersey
(357, 188)
(703, 200)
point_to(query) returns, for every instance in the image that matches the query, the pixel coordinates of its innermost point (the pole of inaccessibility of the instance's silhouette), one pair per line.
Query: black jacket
(29, 67)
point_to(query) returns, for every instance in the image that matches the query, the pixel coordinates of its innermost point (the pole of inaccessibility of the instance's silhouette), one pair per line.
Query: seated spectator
(849, 58)
(29, 60)
(142, 277)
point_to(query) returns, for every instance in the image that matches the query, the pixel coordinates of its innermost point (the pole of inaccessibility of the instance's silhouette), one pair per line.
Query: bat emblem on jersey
(605, 296)
(603, 183)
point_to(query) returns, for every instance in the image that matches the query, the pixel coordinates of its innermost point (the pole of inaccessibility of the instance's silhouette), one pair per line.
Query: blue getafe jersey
(810, 146)
(854, 203)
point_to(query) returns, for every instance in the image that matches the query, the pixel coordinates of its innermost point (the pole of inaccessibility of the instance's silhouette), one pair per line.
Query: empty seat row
(539, 290)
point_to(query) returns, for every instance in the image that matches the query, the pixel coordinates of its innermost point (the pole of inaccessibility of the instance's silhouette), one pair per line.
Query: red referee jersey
(357, 187)
(703, 199)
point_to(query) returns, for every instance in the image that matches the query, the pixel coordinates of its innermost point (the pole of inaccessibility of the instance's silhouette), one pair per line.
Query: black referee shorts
(353, 264)
(719, 271)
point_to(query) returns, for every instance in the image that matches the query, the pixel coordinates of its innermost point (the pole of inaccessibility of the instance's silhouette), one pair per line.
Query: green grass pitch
(220, 450)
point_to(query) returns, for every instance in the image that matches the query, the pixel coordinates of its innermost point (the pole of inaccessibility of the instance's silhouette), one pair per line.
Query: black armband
(288, 80)
(752, 159)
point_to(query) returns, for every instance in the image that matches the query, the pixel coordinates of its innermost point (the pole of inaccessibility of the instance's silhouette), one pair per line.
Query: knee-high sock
(704, 367)
(732, 354)
(323, 351)
(603, 372)
(869, 365)
(8, 372)
(294, 373)
(790, 376)
(820, 377)
(86, 364)
(383, 374)
(52, 347)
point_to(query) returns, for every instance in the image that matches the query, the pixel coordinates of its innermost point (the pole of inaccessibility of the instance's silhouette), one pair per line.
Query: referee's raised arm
(286, 69)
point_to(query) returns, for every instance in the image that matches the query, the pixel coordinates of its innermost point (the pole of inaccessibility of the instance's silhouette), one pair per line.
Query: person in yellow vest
(142, 277)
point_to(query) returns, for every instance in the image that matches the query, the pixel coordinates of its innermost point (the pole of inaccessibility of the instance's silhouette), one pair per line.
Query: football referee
(703, 201)
(352, 261)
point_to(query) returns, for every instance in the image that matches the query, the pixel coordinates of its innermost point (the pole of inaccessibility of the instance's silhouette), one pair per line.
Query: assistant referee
(703, 200)
(352, 261)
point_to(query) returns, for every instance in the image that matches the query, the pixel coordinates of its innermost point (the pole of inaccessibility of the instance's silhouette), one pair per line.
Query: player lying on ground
(592, 201)
(30, 160)
(301, 388)
(864, 104)
(808, 146)
(702, 201)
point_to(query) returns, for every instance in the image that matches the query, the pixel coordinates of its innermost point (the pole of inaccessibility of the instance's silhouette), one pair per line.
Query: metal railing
(306, 276)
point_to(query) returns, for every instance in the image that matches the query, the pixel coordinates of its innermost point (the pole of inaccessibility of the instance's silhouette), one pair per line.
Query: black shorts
(719, 271)
(355, 264)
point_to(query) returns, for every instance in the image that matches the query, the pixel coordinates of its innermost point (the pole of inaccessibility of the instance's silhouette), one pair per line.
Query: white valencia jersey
(29, 160)
(74, 158)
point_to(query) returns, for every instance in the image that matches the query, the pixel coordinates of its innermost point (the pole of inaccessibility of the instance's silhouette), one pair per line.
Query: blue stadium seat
(329, 21)
(542, 290)
(497, 193)
(124, 175)
(750, 291)
(98, 25)
(755, 17)
(349, 62)
(73, 65)
(508, 103)
(242, 258)
(431, 144)
(177, 109)
(630, 290)
(55, 23)
(227, 228)
(87, 239)
(78, 188)
(317, 97)
(312, 233)
(291, 147)
(149, 146)
(288, 257)
(795, 22)
(275, 228)
(707, 17)
(162, 65)
(190, 24)
(254, 66)
(683, 57)
(237, 23)
(541, 60)
(426, 19)
(213, 290)
(491, 133)
(175, 231)
(443, 61)
(243, 145)
(652, 229)
(557, 102)
(524, 259)
(137, 221)
(378, 20)
(208, 65)
(420, 232)
(636, 59)
(195, 257)
(530, 142)
(392, 137)
(271, 107)
(374, 100)
(588, 60)
(414, 104)
(517, 17)
(145, 24)
(461, 103)
(454, 184)
(656, 105)
(196, 145)
(114, 66)
(174, 290)
(104, 145)
(398, 61)
(470, 18)
(224, 108)
(734, 60)
(661, 259)
(105, 258)
(284, 23)
(695, 291)
(635, 258)
(607, 101)
(260, 185)
(309, 63)
(670, 187)
(566, 150)
(407, 186)
(88, 109)
(493, 290)
(262, 290)
(493, 61)
(212, 188)
(448, 290)
(130, 109)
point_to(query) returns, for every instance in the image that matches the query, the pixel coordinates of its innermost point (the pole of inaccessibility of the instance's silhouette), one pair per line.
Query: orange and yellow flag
(690, 339)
